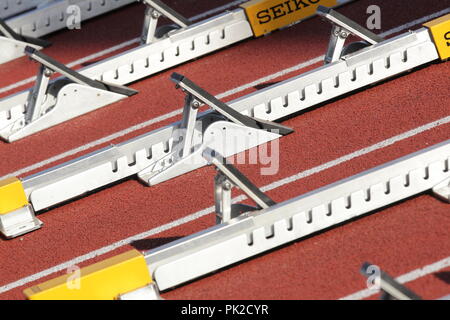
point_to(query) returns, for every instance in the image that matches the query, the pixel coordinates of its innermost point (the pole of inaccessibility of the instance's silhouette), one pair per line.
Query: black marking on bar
(222, 108)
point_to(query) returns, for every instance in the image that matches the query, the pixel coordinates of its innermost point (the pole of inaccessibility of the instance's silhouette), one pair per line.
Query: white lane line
(179, 111)
(407, 277)
(201, 213)
(119, 46)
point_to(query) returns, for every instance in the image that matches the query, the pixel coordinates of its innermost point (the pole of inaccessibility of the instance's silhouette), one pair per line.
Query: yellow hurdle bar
(105, 280)
(440, 30)
(12, 195)
(269, 15)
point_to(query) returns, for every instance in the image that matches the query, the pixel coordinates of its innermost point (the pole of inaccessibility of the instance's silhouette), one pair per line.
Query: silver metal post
(222, 193)
(37, 95)
(150, 24)
(336, 44)
(188, 123)
(168, 12)
(442, 190)
(391, 288)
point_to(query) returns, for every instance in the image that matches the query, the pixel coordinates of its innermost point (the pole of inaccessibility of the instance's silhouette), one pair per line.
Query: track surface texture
(400, 238)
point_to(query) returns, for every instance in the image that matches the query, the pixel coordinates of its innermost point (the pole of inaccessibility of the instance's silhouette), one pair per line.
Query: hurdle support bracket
(228, 177)
(343, 27)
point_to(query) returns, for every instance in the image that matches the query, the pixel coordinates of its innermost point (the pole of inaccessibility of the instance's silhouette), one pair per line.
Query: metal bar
(384, 60)
(56, 66)
(97, 169)
(180, 46)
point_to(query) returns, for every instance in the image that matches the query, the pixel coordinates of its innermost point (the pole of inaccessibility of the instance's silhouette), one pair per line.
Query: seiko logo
(282, 9)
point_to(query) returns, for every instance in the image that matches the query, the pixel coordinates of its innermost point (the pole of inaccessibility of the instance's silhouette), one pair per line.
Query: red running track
(400, 238)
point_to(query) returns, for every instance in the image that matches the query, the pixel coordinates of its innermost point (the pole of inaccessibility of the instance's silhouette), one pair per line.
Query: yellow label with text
(440, 29)
(268, 15)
